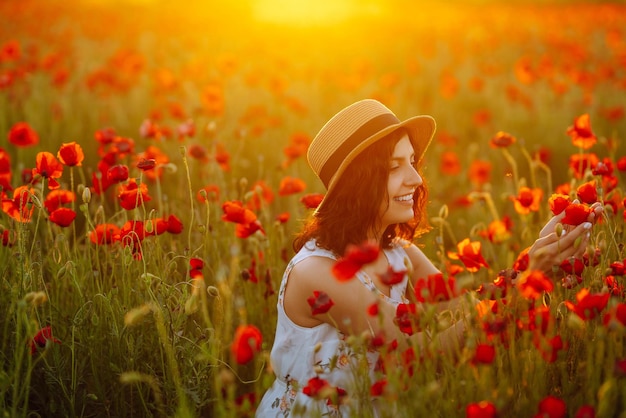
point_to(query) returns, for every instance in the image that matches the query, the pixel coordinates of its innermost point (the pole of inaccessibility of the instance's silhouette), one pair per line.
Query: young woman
(368, 160)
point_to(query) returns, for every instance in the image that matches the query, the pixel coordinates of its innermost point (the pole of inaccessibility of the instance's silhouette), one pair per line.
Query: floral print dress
(300, 353)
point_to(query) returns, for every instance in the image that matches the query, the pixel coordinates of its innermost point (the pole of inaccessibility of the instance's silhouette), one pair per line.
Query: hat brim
(421, 130)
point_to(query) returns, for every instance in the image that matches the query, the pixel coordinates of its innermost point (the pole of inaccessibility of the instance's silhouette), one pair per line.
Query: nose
(413, 178)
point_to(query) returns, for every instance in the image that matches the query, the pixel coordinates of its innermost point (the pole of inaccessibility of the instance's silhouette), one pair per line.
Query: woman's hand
(550, 249)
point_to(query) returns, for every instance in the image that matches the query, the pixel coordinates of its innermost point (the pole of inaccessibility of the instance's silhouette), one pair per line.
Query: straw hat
(356, 127)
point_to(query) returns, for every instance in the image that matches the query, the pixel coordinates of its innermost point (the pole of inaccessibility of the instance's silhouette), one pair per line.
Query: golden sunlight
(312, 12)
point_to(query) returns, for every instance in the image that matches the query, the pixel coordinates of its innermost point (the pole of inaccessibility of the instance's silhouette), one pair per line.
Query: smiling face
(402, 182)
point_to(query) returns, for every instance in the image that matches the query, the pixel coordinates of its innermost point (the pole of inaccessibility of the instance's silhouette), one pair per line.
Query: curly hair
(352, 209)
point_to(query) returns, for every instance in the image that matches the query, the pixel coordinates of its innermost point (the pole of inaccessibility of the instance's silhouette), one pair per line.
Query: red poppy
(41, 338)
(152, 153)
(146, 164)
(616, 314)
(581, 133)
(198, 152)
(316, 387)
(498, 231)
(209, 193)
(552, 407)
(580, 163)
(20, 207)
(71, 154)
(5, 170)
(246, 344)
(576, 213)
(585, 411)
(618, 268)
(104, 234)
(283, 217)
(620, 367)
(589, 304)
(391, 276)
(261, 195)
(406, 318)
(372, 310)
(435, 288)
(527, 200)
(56, 198)
(235, 212)
(132, 195)
(320, 302)
(312, 200)
(22, 135)
(538, 319)
(482, 409)
(480, 172)
(186, 129)
(174, 225)
(572, 266)
(222, 157)
(378, 388)
(587, 192)
(63, 216)
(8, 238)
(49, 168)
(549, 347)
(195, 267)
(297, 147)
(502, 140)
(469, 252)
(11, 50)
(212, 98)
(484, 354)
(355, 257)
(449, 164)
(291, 185)
(558, 202)
(245, 230)
(533, 284)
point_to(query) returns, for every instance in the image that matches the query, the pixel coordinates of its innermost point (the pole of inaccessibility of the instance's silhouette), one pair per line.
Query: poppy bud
(558, 229)
(86, 195)
(212, 291)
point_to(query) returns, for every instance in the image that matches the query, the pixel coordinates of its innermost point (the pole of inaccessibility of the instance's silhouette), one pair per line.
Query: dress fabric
(301, 353)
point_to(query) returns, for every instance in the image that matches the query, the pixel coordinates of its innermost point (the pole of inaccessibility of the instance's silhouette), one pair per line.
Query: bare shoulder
(422, 266)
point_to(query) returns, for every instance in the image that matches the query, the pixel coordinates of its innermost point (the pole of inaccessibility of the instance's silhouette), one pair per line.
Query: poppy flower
(22, 135)
(533, 284)
(146, 164)
(502, 140)
(41, 338)
(56, 198)
(585, 411)
(283, 217)
(297, 147)
(480, 172)
(320, 302)
(482, 409)
(618, 268)
(245, 230)
(312, 200)
(20, 207)
(71, 154)
(378, 388)
(234, 211)
(222, 157)
(498, 230)
(580, 163)
(195, 267)
(587, 192)
(174, 225)
(212, 98)
(406, 318)
(315, 387)
(290, 185)
(537, 319)
(49, 168)
(572, 266)
(581, 134)
(435, 288)
(131, 234)
(558, 202)
(588, 305)
(261, 195)
(152, 153)
(576, 213)
(469, 252)
(104, 234)
(552, 407)
(355, 257)
(449, 163)
(549, 347)
(186, 129)
(132, 195)
(62, 217)
(484, 354)
(617, 314)
(391, 276)
(246, 343)
(527, 200)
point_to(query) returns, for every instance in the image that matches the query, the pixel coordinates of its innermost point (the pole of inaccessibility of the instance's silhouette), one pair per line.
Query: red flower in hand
(354, 259)
(558, 202)
(576, 213)
(587, 192)
(320, 302)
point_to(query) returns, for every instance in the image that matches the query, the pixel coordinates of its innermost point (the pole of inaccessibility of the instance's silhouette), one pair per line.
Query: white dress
(301, 353)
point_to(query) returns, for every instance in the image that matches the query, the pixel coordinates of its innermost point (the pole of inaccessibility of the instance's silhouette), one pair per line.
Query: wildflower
(49, 168)
(449, 163)
(209, 193)
(391, 276)
(315, 387)
(484, 354)
(145, 164)
(133, 195)
(11, 50)
(581, 133)
(355, 257)
(41, 338)
(482, 409)
(480, 172)
(620, 367)
(580, 163)
(151, 153)
(533, 284)
(261, 195)
(587, 192)
(312, 200)
(104, 234)
(186, 129)
(372, 310)
(7, 237)
(585, 411)
(71, 154)
(576, 213)
(222, 157)
(406, 317)
(5, 170)
(558, 202)
(56, 198)
(320, 302)
(195, 267)
(212, 98)
(246, 344)
(174, 225)
(198, 152)
(63, 216)
(283, 217)
(614, 286)
(589, 304)
(20, 207)
(469, 252)
(552, 407)
(498, 230)
(22, 135)
(502, 140)
(297, 147)
(537, 319)
(527, 200)
(245, 230)
(616, 314)
(378, 388)
(618, 268)
(291, 185)
(572, 266)
(435, 288)
(235, 212)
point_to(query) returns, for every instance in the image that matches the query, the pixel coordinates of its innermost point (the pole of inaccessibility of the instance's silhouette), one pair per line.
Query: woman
(368, 160)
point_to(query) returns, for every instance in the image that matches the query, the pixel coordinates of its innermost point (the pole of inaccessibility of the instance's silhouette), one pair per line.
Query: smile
(404, 198)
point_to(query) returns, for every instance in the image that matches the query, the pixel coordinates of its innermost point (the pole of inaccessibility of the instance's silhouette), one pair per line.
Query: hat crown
(342, 130)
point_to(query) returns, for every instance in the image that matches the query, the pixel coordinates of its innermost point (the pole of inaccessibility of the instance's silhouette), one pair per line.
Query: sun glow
(312, 12)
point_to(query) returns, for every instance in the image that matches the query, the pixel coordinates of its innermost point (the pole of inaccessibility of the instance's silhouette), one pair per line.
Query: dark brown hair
(352, 208)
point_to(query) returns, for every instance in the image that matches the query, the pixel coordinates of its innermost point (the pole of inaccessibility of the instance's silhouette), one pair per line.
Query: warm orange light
(312, 12)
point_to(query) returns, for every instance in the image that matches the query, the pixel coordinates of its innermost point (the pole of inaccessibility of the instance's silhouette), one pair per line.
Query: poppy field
(153, 173)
